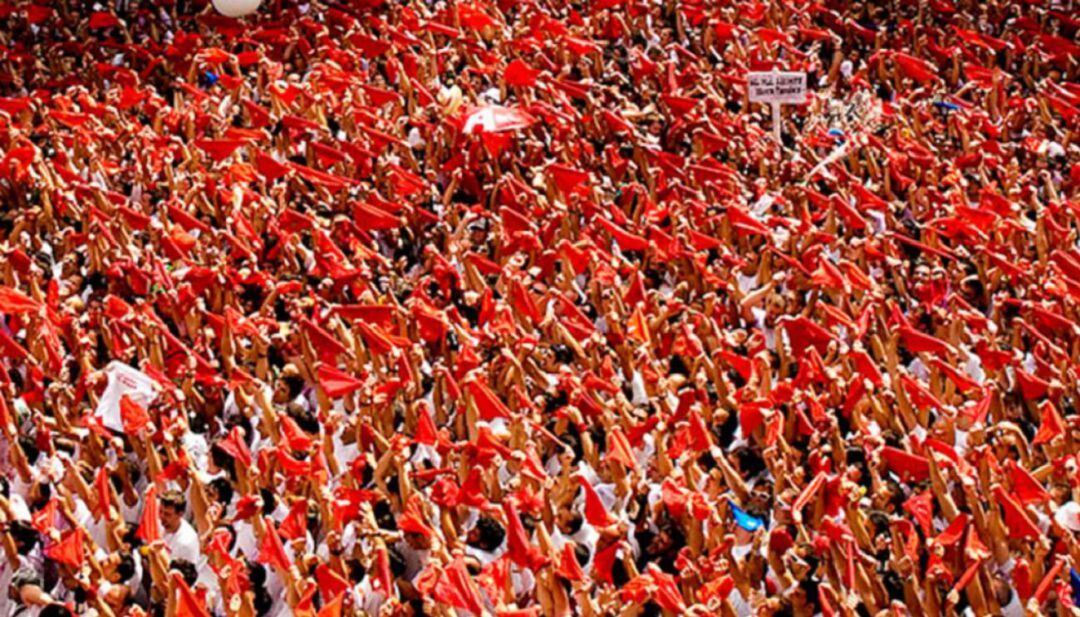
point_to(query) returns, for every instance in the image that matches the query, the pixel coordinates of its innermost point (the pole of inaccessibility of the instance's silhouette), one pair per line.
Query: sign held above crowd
(776, 88)
(236, 8)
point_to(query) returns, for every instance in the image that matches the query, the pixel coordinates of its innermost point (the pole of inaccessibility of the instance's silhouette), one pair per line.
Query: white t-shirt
(183, 543)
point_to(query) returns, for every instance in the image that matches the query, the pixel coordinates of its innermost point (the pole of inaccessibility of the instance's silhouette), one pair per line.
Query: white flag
(123, 379)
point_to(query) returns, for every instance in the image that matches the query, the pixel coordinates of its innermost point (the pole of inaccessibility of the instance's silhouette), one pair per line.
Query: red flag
(523, 302)
(829, 276)
(459, 579)
(627, 241)
(413, 519)
(488, 404)
(921, 506)
(69, 550)
(269, 168)
(324, 343)
(5, 417)
(603, 562)
(430, 322)
(744, 221)
(295, 523)
(383, 576)
(378, 314)
(667, 593)
(44, 520)
(425, 433)
(371, 218)
(295, 437)
(292, 467)
(916, 68)
(569, 568)
(132, 415)
(518, 547)
(333, 608)
(905, 464)
(1032, 387)
(331, 584)
(519, 74)
(1016, 519)
(1047, 582)
(495, 119)
(336, 383)
(233, 444)
(619, 449)
(917, 342)
(104, 492)
(804, 333)
(809, 492)
(595, 512)
(9, 348)
(101, 19)
(963, 383)
(379, 342)
(1026, 488)
(149, 524)
(952, 534)
(219, 149)
(1050, 425)
(453, 586)
(271, 550)
(187, 603)
(566, 178)
(14, 302)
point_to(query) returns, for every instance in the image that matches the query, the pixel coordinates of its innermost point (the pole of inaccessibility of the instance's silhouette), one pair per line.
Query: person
(178, 535)
(521, 308)
(26, 591)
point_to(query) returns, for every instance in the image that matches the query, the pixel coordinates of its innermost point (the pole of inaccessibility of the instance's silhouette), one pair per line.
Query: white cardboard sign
(777, 87)
(123, 379)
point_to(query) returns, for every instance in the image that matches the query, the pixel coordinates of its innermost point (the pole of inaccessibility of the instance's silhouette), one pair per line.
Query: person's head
(56, 610)
(116, 596)
(569, 521)
(173, 506)
(24, 582)
(119, 567)
(487, 535)
(804, 597)
(24, 535)
(186, 569)
(418, 541)
(220, 490)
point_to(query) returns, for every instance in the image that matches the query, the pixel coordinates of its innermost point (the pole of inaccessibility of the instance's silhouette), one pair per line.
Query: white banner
(776, 87)
(123, 379)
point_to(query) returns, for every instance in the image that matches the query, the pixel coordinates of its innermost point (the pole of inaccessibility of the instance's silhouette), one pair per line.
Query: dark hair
(574, 524)
(186, 570)
(126, 568)
(269, 501)
(24, 535)
(224, 490)
(491, 533)
(357, 571)
(398, 566)
(29, 448)
(223, 460)
(174, 499)
(749, 461)
(55, 610)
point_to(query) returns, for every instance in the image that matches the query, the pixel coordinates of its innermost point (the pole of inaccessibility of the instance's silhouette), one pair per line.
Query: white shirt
(184, 543)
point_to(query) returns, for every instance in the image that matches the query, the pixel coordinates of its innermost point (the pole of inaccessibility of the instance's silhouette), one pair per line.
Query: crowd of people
(518, 307)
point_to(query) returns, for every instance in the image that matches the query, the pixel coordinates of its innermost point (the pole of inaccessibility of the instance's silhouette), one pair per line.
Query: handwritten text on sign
(775, 87)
